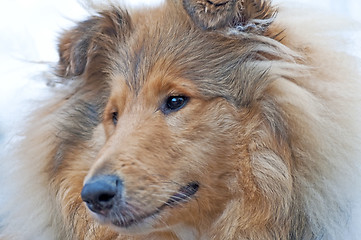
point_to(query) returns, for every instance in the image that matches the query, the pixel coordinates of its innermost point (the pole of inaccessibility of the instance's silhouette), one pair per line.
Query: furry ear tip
(242, 15)
(210, 14)
(256, 15)
(72, 59)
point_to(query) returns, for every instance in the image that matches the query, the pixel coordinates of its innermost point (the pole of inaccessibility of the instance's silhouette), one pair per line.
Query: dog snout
(100, 193)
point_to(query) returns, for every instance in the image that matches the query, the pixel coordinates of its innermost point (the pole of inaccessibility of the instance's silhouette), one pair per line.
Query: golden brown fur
(269, 133)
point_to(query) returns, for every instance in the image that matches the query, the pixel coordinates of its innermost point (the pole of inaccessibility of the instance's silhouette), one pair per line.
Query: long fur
(271, 131)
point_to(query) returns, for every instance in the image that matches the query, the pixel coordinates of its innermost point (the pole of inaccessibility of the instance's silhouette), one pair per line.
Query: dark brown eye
(115, 118)
(174, 103)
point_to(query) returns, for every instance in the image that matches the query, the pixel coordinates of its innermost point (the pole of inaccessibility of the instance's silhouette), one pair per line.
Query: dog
(196, 119)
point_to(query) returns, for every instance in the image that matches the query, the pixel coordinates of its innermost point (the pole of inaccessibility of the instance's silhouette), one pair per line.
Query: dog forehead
(167, 54)
(170, 46)
(159, 51)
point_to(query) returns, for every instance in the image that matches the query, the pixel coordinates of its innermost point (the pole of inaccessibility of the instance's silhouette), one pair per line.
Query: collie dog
(195, 119)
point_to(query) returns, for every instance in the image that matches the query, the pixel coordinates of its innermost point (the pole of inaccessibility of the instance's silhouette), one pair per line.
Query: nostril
(118, 182)
(106, 197)
(100, 193)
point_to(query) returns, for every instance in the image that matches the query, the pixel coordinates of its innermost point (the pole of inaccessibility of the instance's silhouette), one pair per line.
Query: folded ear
(244, 15)
(73, 49)
(79, 45)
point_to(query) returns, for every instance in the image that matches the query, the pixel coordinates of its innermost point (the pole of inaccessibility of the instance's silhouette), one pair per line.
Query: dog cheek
(207, 140)
(264, 179)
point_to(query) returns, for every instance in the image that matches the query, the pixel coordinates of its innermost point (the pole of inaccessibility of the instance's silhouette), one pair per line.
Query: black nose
(101, 192)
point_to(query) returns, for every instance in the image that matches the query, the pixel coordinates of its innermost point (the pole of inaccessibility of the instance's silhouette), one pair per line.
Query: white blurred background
(28, 33)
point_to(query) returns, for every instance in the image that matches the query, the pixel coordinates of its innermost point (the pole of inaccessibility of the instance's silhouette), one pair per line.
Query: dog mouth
(127, 218)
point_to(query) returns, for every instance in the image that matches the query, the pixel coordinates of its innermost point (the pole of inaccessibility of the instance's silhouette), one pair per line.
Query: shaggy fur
(265, 147)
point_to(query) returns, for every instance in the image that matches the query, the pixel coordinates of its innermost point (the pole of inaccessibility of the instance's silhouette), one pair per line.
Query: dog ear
(89, 39)
(73, 49)
(244, 15)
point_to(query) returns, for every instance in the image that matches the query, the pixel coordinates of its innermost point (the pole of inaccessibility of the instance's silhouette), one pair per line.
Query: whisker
(120, 218)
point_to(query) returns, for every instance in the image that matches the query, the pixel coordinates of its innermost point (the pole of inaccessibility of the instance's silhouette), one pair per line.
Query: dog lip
(125, 222)
(184, 194)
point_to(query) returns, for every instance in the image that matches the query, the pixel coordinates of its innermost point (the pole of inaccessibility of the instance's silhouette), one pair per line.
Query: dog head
(191, 133)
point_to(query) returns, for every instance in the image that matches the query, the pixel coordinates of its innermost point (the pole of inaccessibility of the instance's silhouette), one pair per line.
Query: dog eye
(174, 103)
(115, 118)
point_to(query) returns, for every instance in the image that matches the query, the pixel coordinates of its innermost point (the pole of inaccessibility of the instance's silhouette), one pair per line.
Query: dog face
(182, 109)
(162, 135)
(168, 150)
